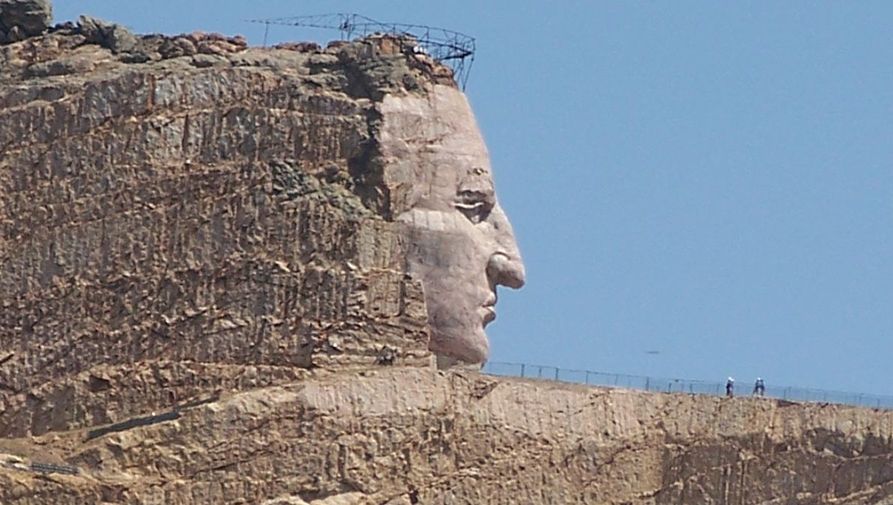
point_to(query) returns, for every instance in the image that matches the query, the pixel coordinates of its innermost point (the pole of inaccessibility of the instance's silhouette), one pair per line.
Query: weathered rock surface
(205, 300)
(160, 218)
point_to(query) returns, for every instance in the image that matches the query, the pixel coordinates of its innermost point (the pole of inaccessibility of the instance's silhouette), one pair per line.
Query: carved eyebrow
(475, 193)
(475, 204)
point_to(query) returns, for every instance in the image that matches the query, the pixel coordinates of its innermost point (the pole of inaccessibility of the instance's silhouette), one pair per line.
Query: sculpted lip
(489, 315)
(489, 309)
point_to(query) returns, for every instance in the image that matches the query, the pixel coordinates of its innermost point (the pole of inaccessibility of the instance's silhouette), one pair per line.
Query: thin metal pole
(266, 32)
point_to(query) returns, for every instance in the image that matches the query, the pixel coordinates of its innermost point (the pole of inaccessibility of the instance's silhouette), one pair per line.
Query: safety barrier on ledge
(667, 385)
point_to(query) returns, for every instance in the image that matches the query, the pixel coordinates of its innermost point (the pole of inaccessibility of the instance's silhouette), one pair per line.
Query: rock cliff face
(184, 215)
(206, 299)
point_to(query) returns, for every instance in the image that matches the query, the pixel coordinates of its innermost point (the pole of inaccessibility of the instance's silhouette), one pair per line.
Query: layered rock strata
(161, 220)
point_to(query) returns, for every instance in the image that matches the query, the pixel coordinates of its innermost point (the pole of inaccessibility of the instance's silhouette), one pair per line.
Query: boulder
(109, 35)
(24, 18)
(15, 34)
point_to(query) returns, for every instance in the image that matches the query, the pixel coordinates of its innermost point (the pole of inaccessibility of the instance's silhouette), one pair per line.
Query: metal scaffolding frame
(451, 48)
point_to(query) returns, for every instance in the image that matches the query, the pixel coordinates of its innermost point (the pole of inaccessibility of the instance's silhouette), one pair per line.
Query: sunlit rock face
(232, 217)
(212, 212)
(460, 241)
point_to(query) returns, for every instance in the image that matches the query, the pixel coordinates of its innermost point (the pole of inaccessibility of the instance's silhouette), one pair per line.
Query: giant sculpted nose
(505, 271)
(505, 267)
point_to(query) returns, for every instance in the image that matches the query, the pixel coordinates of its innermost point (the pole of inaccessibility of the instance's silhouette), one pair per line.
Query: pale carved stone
(460, 241)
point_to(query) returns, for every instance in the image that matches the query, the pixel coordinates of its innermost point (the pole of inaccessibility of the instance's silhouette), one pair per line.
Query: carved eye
(476, 205)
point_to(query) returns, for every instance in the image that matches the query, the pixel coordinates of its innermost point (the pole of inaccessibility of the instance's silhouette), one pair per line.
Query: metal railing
(690, 386)
(449, 47)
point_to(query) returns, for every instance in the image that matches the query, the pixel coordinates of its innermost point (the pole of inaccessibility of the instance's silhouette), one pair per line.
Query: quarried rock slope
(409, 435)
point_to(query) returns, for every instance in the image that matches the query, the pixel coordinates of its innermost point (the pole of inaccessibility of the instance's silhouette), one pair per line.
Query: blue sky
(710, 180)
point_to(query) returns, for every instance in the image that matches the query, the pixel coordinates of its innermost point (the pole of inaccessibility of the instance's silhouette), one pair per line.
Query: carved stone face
(459, 240)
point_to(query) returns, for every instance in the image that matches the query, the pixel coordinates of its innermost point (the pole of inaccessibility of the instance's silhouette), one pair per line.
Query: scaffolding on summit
(451, 48)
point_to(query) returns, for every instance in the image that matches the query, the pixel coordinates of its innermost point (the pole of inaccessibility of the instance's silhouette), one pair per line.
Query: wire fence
(669, 385)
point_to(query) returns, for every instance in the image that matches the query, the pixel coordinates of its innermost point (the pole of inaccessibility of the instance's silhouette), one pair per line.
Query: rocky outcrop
(109, 35)
(20, 19)
(206, 300)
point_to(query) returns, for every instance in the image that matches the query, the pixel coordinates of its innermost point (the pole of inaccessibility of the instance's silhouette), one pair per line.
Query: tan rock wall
(170, 212)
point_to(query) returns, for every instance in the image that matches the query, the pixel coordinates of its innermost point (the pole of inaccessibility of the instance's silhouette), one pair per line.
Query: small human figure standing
(730, 387)
(759, 388)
